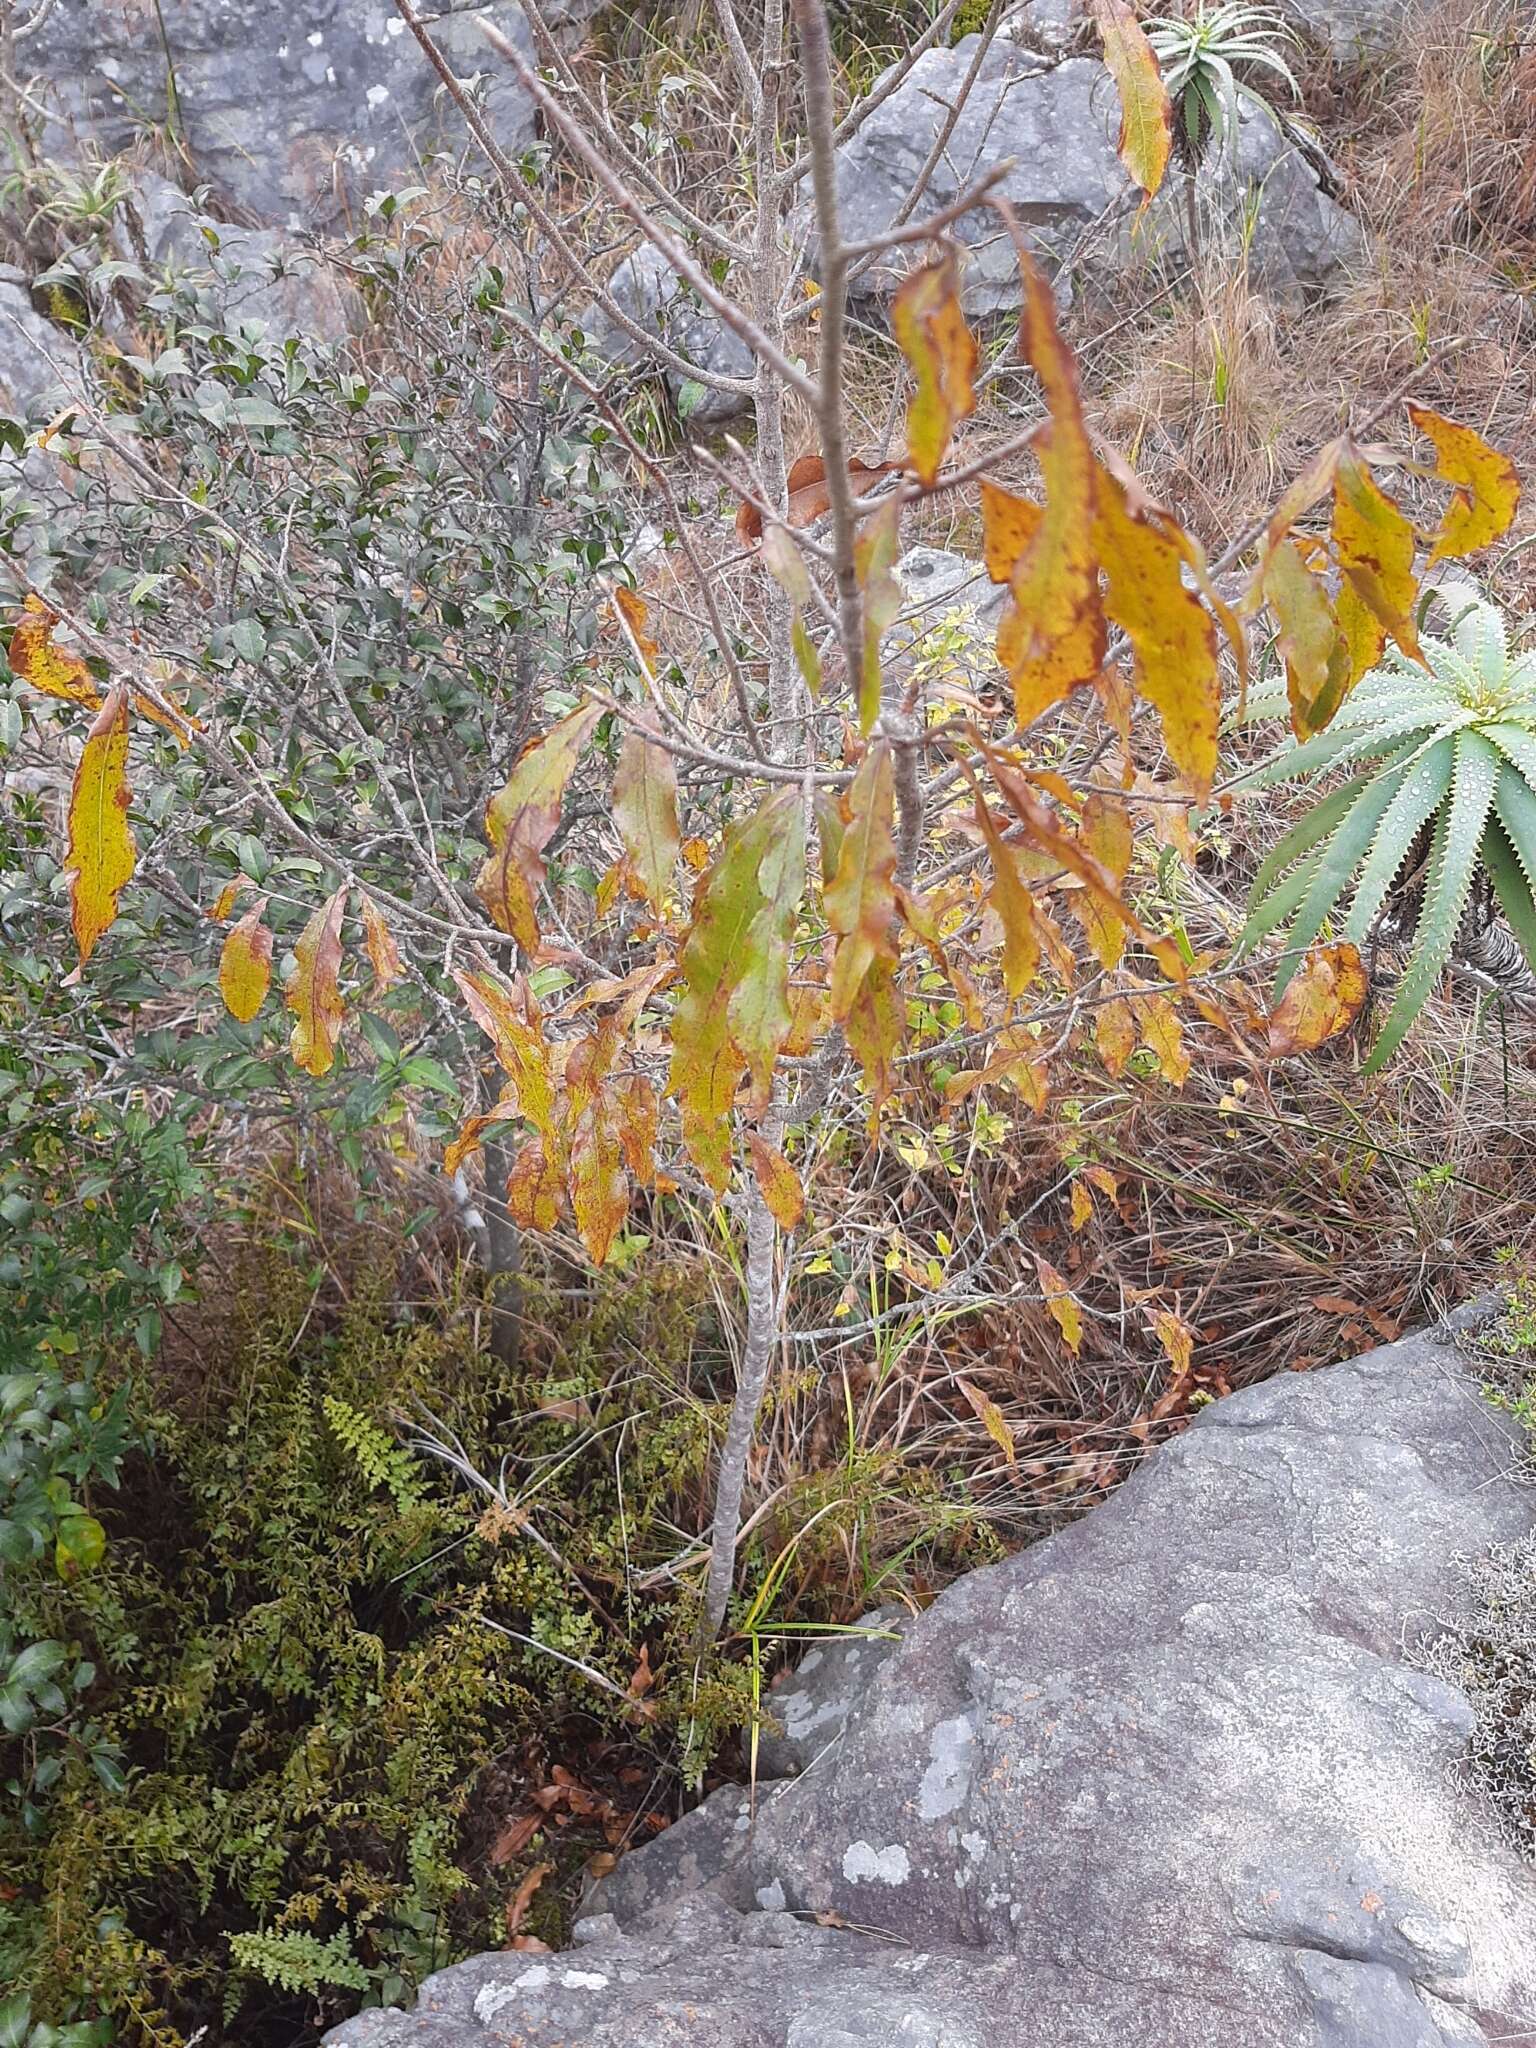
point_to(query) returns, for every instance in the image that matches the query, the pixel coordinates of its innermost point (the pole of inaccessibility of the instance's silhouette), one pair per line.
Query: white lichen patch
(584, 1980)
(952, 1746)
(865, 1864)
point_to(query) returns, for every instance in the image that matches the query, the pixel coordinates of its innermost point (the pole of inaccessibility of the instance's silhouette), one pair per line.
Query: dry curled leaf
(1323, 997)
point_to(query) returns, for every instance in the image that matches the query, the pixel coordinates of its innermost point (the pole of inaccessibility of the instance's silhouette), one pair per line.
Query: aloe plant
(1203, 57)
(1444, 753)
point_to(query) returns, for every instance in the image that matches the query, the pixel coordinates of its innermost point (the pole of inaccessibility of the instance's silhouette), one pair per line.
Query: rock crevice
(1168, 1780)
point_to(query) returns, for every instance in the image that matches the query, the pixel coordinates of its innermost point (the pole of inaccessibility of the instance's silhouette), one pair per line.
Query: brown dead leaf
(522, 1898)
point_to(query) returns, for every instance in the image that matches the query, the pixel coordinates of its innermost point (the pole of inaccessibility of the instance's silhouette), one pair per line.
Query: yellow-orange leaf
(1146, 114)
(1114, 1032)
(1323, 997)
(1487, 494)
(1013, 901)
(645, 811)
(245, 965)
(534, 1187)
(1065, 1312)
(101, 848)
(379, 942)
(930, 330)
(1082, 1206)
(1163, 1035)
(1008, 527)
(38, 660)
(779, 1182)
(60, 672)
(637, 1113)
(314, 994)
(861, 897)
(472, 1132)
(1051, 639)
(598, 1182)
(1176, 1338)
(224, 902)
(520, 822)
(991, 1418)
(1374, 544)
(632, 609)
(1314, 646)
(1172, 635)
(509, 1017)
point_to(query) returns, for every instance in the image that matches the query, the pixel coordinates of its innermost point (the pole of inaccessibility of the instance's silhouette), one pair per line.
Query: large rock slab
(291, 111)
(1171, 1779)
(1059, 121)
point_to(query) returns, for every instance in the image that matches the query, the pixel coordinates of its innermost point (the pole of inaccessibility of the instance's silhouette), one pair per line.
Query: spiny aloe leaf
(1418, 797)
(1304, 835)
(1458, 835)
(1511, 887)
(1337, 864)
(1515, 802)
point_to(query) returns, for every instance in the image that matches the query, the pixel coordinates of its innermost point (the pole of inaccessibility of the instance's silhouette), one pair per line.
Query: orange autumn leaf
(1487, 494)
(809, 497)
(930, 330)
(521, 820)
(1114, 1031)
(509, 1016)
(1172, 635)
(245, 965)
(1013, 903)
(379, 943)
(1323, 997)
(635, 613)
(534, 1187)
(1146, 112)
(224, 902)
(599, 1186)
(101, 851)
(314, 994)
(778, 1181)
(1374, 544)
(1051, 639)
(1082, 1206)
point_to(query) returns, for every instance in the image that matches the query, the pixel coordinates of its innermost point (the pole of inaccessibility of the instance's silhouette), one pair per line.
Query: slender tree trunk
(503, 1253)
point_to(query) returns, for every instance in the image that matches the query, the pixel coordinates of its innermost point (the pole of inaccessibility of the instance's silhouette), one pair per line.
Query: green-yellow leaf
(314, 994)
(874, 556)
(1146, 114)
(645, 811)
(521, 820)
(861, 897)
(245, 965)
(1314, 645)
(735, 976)
(101, 850)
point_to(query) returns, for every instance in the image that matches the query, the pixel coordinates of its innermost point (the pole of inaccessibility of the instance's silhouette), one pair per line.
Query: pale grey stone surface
(292, 111)
(1058, 123)
(1170, 1779)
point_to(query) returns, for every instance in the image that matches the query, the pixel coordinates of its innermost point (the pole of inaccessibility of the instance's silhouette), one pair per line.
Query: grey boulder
(292, 112)
(1173, 1778)
(39, 362)
(1058, 122)
(1352, 31)
(242, 274)
(653, 298)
